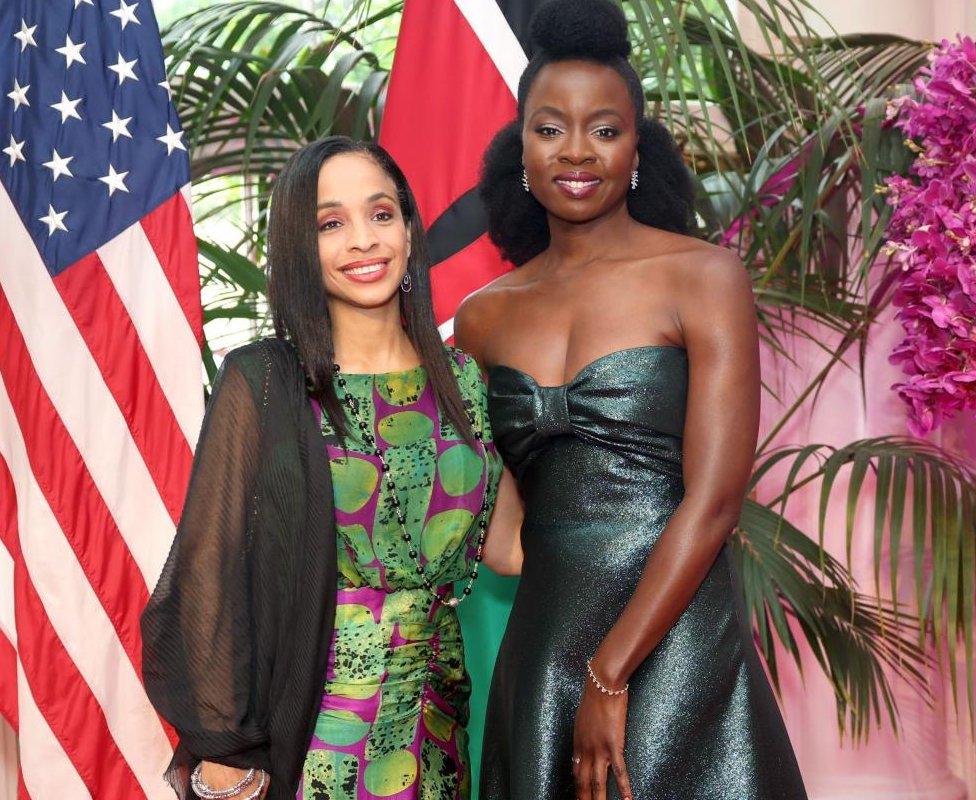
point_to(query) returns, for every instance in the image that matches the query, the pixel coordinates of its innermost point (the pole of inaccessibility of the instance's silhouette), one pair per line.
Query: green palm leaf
(253, 82)
(939, 490)
(792, 588)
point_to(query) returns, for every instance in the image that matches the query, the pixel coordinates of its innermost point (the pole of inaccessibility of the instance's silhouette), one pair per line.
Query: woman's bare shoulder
(686, 260)
(480, 311)
(479, 303)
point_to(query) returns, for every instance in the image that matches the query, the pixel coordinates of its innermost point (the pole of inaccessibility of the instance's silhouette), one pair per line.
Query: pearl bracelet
(600, 686)
(207, 792)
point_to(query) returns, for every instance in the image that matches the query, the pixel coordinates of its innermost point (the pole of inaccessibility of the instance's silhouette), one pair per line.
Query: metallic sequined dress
(598, 462)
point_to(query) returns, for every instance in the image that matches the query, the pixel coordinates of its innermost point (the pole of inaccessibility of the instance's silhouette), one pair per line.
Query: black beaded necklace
(370, 441)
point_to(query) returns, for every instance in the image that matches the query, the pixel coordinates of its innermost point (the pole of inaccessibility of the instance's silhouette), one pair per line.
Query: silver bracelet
(257, 792)
(600, 686)
(207, 792)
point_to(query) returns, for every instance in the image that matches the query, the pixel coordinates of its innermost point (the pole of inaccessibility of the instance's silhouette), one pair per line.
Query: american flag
(100, 396)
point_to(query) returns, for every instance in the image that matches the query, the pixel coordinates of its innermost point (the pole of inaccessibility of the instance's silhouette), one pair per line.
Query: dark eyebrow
(606, 112)
(600, 112)
(548, 110)
(371, 199)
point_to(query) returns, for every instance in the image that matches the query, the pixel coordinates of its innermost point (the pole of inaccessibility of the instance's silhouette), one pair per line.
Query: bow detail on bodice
(630, 401)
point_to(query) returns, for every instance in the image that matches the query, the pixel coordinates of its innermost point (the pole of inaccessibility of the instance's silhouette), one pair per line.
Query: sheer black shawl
(237, 631)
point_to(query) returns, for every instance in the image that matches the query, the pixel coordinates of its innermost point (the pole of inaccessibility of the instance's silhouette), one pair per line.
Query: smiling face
(579, 139)
(363, 239)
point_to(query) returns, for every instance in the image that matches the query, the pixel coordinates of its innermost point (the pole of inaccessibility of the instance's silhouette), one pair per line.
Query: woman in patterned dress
(395, 705)
(412, 476)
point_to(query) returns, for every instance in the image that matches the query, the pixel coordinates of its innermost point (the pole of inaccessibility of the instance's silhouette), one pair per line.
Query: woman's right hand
(220, 776)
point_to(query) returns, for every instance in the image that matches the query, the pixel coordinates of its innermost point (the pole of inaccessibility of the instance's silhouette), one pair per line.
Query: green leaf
(236, 267)
(854, 639)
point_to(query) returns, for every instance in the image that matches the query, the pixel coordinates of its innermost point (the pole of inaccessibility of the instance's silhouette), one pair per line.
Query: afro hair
(571, 28)
(592, 30)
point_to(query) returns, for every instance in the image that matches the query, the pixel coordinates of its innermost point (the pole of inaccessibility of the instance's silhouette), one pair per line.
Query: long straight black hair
(297, 295)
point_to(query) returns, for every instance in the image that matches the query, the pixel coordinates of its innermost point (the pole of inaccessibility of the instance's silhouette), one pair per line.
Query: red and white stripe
(100, 406)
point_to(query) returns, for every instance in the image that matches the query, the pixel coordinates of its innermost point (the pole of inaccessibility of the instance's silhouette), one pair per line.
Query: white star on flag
(126, 13)
(166, 86)
(68, 108)
(53, 220)
(171, 139)
(118, 125)
(96, 238)
(15, 151)
(58, 165)
(123, 69)
(19, 95)
(26, 35)
(71, 52)
(114, 180)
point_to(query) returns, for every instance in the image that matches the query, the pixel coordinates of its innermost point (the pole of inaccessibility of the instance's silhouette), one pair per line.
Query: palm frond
(788, 171)
(256, 81)
(794, 590)
(914, 480)
(253, 81)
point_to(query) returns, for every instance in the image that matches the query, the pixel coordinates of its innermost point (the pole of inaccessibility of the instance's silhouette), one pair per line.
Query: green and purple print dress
(393, 714)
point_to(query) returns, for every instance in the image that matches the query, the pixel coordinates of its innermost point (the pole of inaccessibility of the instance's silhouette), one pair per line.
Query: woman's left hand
(598, 744)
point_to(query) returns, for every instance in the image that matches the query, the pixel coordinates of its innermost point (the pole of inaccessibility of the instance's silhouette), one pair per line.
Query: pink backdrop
(933, 759)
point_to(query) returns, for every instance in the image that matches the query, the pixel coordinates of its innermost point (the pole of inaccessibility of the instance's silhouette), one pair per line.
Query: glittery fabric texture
(393, 714)
(598, 462)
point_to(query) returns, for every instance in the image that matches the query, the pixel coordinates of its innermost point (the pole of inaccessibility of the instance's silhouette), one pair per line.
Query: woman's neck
(575, 244)
(370, 340)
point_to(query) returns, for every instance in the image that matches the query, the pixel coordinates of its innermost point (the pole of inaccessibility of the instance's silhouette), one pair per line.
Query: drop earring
(525, 179)
(407, 283)
(633, 179)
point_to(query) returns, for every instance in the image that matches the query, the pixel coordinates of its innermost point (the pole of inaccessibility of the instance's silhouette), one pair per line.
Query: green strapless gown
(598, 462)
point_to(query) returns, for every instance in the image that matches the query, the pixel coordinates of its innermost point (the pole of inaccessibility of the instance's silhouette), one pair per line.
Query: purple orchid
(932, 237)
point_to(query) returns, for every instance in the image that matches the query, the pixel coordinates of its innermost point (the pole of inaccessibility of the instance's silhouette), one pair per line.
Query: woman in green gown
(624, 395)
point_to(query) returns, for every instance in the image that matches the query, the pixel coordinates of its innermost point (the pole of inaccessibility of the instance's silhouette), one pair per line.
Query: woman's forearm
(503, 548)
(505, 560)
(679, 562)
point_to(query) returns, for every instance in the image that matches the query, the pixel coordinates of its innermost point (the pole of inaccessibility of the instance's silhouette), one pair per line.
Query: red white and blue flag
(100, 385)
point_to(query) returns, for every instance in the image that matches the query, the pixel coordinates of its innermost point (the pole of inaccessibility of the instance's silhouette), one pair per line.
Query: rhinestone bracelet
(600, 686)
(207, 792)
(257, 792)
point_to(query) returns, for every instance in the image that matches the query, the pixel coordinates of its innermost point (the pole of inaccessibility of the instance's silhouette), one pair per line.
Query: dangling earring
(525, 179)
(633, 179)
(407, 283)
